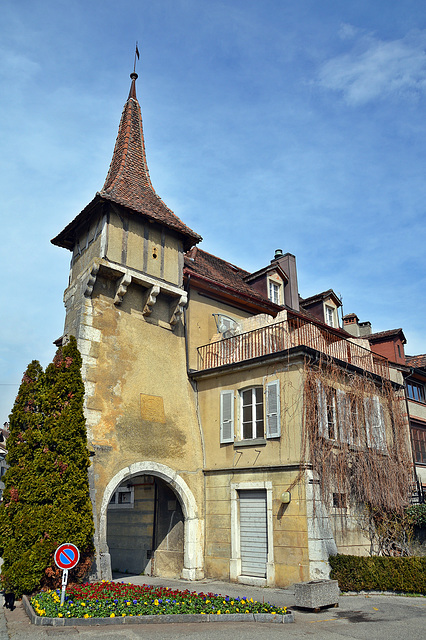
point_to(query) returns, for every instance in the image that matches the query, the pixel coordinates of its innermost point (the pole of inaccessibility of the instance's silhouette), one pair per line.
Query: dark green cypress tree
(66, 453)
(46, 498)
(19, 511)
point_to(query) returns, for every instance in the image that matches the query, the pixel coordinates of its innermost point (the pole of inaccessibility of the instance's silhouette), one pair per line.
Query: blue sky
(268, 124)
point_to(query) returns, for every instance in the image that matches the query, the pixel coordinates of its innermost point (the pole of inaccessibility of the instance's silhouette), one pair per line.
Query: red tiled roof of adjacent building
(380, 335)
(212, 269)
(418, 362)
(128, 182)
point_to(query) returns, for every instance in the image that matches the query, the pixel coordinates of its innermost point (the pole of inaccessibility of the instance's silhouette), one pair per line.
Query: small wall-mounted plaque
(152, 408)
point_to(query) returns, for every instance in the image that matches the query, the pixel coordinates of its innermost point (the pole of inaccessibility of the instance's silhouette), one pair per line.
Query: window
(259, 412)
(327, 412)
(419, 443)
(122, 498)
(339, 418)
(415, 391)
(329, 316)
(274, 292)
(339, 500)
(252, 413)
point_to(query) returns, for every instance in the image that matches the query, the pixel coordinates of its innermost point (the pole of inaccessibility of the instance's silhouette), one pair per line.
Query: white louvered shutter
(273, 423)
(322, 410)
(368, 413)
(226, 416)
(378, 430)
(343, 416)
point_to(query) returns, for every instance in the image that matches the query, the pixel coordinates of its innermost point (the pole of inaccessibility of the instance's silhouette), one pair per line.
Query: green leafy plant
(417, 513)
(46, 499)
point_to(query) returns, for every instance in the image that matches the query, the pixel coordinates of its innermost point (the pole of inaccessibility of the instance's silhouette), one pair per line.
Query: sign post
(66, 557)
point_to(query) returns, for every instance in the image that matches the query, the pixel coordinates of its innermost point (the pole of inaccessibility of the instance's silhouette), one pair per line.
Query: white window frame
(327, 411)
(330, 315)
(274, 291)
(115, 503)
(254, 404)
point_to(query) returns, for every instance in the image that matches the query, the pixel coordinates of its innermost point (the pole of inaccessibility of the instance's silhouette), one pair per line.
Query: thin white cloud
(377, 69)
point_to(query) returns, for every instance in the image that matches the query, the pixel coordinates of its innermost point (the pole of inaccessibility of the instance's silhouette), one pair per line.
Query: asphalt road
(363, 617)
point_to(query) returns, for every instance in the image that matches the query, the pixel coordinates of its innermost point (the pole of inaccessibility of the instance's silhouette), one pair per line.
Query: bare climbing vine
(355, 440)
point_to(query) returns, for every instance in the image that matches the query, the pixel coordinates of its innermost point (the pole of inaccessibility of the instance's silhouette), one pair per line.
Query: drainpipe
(185, 332)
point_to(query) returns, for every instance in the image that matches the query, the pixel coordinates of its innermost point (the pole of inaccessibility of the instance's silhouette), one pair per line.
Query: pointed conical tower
(124, 304)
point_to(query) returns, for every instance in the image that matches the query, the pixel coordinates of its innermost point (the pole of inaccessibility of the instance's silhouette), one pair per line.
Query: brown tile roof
(321, 296)
(380, 335)
(418, 362)
(212, 269)
(128, 182)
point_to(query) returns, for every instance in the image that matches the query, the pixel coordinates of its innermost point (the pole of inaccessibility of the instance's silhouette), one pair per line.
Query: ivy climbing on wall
(46, 499)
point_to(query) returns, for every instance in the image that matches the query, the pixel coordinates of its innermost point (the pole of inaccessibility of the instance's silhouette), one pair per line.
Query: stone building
(196, 399)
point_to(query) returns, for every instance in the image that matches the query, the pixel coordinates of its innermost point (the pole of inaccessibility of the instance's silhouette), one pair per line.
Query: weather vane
(136, 56)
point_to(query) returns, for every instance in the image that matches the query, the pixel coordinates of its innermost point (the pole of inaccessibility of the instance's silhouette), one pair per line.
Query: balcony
(278, 337)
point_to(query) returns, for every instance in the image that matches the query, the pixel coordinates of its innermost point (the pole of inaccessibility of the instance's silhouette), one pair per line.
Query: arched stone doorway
(163, 534)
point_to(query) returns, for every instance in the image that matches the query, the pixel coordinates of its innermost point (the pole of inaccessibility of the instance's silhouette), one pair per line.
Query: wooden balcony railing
(284, 335)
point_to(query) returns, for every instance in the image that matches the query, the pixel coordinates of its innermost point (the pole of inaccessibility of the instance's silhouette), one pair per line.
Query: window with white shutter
(273, 426)
(226, 416)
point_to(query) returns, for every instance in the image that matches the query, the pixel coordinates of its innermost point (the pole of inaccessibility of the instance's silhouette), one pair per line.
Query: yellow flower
(238, 610)
(203, 613)
(247, 611)
(156, 602)
(60, 615)
(227, 611)
(207, 601)
(83, 604)
(122, 615)
(112, 615)
(273, 612)
(232, 602)
(86, 615)
(243, 601)
(218, 612)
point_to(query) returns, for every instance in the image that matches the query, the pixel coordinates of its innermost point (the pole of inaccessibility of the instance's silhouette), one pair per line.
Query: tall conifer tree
(46, 498)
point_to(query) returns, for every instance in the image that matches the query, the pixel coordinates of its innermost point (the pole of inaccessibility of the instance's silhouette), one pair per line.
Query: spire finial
(136, 56)
(134, 76)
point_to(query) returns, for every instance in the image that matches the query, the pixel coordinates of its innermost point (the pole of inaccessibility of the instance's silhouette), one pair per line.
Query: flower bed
(118, 599)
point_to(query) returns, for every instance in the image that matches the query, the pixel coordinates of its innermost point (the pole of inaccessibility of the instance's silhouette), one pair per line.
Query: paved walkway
(360, 617)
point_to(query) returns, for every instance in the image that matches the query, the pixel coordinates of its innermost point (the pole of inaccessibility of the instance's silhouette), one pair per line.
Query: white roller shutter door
(253, 532)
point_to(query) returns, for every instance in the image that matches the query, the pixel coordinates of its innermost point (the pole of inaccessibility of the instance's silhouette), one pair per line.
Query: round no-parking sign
(66, 556)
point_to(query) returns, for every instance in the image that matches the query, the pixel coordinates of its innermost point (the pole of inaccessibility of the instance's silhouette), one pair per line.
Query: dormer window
(274, 292)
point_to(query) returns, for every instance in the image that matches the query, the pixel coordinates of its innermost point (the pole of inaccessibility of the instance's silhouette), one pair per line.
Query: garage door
(253, 532)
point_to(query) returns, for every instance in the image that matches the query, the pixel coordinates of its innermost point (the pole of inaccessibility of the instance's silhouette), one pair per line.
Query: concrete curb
(162, 619)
